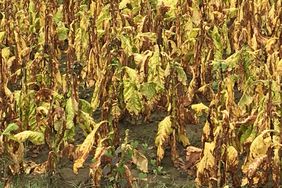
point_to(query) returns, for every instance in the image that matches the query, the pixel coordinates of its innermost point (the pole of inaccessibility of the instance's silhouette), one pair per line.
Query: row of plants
(217, 60)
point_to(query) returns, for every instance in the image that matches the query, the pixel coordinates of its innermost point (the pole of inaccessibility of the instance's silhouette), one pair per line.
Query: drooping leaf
(104, 16)
(205, 168)
(84, 149)
(245, 101)
(252, 166)
(11, 127)
(193, 155)
(181, 75)
(132, 97)
(149, 35)
(232, 158)
(58, 16)
(71, 109)
(164, 131)
(279, 67)
(260, 145)
(123, 4)
(183, 139)
(36, 138)
(5, 53)
(149, 90)
(62, 31)
(132, 73)
(2, 36)
(95, 101)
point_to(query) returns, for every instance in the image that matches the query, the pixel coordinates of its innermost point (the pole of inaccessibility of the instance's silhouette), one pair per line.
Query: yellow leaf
(2, 35)
(83, 150)
(164, 130)
(260, 145)
(25, 52)
(199, 108)
(5, 52)
(205, 168)
(183, 139)
(279, 67)
(232, 157)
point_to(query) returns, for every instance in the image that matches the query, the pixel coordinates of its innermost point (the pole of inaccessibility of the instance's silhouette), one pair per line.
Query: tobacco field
(140, 93)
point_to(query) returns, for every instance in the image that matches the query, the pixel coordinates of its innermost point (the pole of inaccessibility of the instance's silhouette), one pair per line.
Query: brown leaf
(16, 153)
(128, 175)
(95, 169)
(140, 160)
(193, 155)
(252, 166)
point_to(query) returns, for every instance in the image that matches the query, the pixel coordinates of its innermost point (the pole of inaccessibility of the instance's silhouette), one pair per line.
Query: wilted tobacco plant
(181, 58)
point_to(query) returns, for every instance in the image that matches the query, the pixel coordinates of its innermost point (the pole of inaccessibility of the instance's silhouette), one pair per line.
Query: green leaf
(233, 60)
(156, 73)
(245, 100)
(149, 90)
(11, 127)
(126, 44)
(123, 4)
(58, 16)
(181, 75)
(103, 16)
(70, 113)
(36, 138)
(217, 43)
(85, 106)
(62, 31)
(31, 8)
(132, 73)
(132, 97)
(149, 35)
(246, 133)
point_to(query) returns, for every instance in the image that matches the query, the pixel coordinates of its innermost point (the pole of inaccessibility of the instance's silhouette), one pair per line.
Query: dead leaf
(193, 155)
(140, 161)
